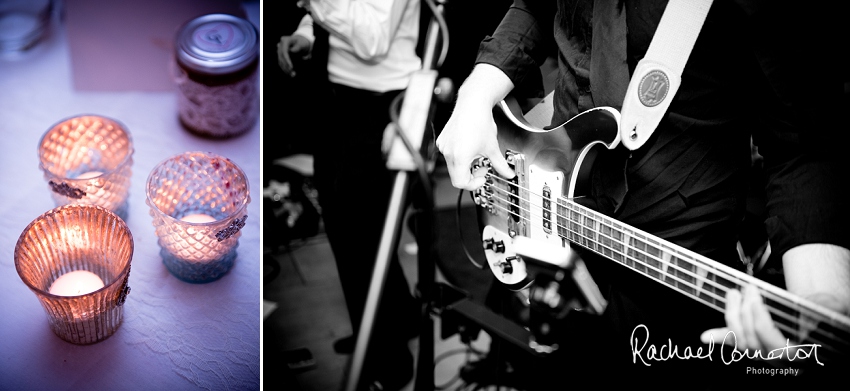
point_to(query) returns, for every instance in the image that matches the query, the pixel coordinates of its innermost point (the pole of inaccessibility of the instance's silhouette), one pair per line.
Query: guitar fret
(666, 259)
(790, 322)
(634, 253)
(653, 259)
(561, 221)
(703, 274)
(720, 281)
(589, 231)
(579, 228)
(607, 242)
(619, 239)
(680, 271)
(684, 275)
(799, 326)
(637, 251)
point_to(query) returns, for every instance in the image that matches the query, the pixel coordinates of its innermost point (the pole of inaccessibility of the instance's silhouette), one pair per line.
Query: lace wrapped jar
(215, 68)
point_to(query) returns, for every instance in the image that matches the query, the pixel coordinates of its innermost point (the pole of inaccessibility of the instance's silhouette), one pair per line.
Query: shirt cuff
(305, 29)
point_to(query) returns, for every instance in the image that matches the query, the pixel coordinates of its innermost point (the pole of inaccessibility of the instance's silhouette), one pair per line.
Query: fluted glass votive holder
(198, 201)
(76, 259)
(88, 159)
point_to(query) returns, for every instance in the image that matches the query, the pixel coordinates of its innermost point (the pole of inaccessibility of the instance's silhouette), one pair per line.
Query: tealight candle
(76, 283)
(198, 218)
(90, 174)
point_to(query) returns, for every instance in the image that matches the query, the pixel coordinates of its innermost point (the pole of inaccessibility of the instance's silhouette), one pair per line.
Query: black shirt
(760, 71)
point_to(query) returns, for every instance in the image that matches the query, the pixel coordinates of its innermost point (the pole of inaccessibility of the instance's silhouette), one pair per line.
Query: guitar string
(795, 328)
(558, 225)
(789, 317)
(674, 266)
(789, 303)
(715, 284)
(767, 294)
(544, 219)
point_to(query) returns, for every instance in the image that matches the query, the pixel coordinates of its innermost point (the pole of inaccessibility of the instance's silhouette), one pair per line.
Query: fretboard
(696, 276)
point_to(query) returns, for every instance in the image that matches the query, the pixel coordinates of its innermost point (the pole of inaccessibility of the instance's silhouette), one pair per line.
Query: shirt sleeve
(521, 42)
(367, 25)
(305, 29)
(801, 132)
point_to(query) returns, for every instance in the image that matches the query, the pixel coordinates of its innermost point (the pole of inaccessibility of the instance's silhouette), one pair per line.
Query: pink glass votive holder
(198, 202)
(61, 244)
(88, 159)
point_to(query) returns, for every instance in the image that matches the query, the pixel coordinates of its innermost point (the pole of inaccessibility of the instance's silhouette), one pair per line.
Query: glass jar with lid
(215, 68)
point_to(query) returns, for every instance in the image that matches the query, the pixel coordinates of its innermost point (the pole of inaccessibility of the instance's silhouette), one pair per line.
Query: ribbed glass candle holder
(88, 159)
(73, 239)
(198, 201)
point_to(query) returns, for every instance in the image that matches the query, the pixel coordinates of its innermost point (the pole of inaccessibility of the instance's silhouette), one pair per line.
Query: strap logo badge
(653, 88)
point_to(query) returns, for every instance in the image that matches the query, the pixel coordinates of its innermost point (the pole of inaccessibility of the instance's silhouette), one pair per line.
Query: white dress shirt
(372, 42)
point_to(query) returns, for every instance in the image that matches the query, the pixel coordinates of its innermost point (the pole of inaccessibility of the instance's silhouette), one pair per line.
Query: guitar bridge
(483, 196)
(518, 195)
(502, 195)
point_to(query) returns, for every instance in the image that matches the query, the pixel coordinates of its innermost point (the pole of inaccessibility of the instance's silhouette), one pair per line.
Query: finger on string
(717, 335)
(751, 300)
(500, 165)
(769, 335)
(733, 317)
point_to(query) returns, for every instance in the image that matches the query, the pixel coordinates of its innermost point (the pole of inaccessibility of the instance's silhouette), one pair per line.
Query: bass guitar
(553, 168)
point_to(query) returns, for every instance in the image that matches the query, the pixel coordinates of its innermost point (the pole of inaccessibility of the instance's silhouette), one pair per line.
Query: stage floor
(306, 309)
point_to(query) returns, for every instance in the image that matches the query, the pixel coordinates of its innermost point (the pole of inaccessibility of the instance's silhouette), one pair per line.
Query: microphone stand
(404, 136)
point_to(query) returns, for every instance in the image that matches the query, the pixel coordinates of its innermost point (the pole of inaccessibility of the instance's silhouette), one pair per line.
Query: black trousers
(354, 188)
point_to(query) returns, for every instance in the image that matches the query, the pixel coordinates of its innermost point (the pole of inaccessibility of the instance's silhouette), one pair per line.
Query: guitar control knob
(492, 244)
(488, 243)
(499, 247)
(507, 265)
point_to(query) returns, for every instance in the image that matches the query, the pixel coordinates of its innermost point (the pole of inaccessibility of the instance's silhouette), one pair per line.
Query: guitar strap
(658, 75)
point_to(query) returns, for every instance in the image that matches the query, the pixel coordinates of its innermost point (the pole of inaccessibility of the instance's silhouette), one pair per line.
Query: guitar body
(535, 216)
(548, 164)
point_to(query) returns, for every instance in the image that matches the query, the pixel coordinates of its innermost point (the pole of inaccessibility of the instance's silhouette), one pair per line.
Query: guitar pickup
(517, 193)
(547, 209)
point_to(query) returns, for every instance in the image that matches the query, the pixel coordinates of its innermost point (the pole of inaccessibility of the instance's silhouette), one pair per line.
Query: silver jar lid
(217, 44)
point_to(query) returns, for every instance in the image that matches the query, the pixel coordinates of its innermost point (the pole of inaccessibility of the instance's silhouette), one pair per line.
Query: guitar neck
(696, 276)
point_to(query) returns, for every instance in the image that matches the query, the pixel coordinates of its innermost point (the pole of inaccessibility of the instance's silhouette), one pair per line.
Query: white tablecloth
(175, 335)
